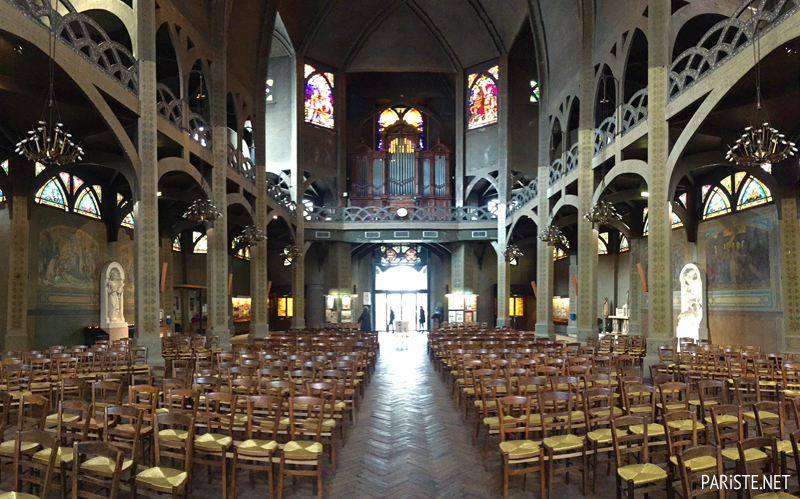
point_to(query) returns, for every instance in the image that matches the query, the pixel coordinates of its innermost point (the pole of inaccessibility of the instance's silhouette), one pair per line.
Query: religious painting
(68, 258)
(737, 257)
(125, 258)
(482, 104)
(319, 98)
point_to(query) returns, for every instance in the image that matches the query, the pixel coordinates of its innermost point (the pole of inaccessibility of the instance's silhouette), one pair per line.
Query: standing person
(421, 319)
(365, 319)
(391, 319)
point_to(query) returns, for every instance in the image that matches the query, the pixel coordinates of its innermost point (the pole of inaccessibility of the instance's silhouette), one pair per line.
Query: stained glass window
(682, 199)
(268, 90)
(717, 205)
(285, 306)
(2, 197)
(495, 71)
(738, 179)
(87, 205)
(388, 118)
(624, 245)
(128, 221)
(120, 199)
(726, 183)
(602, 243)
(65, 178)
(319, 98)
(308, 70)
(706, 188)
(39, 168)
(176, 244)
(201, 245)
(413, 118)
(243, 253)
(767, 167)
(534, 91)
(558, 253)
(52, 194)
(287, 258)
(513, 261)
(76, 182)
(402, 254)
(676, 221)
(4, 164)
(753, 193)
(99, 191)
(646, 230)
(482, 101)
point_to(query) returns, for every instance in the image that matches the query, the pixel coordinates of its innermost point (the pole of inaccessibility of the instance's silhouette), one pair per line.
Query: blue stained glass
(624, 245)
(201, 246)
(87, 205)
(52, 194)
(176, 244)
(718, 204)
(39, 168)
(4, 164)
(2, 197)
(753, 193)
(128, 221)
(319, 101)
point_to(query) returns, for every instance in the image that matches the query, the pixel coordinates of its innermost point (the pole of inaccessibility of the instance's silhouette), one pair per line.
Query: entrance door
(405, 306)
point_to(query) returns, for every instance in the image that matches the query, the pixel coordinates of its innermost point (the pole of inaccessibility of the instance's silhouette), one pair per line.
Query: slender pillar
(259, 311)
(572, 325)
(544, 260)
(503, 277)
(660, 329)
(635, 291)
(18, 249)
(587, 233)
(165, 257)
(145, 236)
(217, 258)
(790, 275)
(340, 104)
(461, 104)
(298, 262)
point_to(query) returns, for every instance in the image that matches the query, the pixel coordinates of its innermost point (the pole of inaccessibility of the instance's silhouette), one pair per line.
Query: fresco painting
(68, 258)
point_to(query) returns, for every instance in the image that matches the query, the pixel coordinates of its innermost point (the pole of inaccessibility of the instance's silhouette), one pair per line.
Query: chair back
(102, 470)
(30, 472)
(689, 478)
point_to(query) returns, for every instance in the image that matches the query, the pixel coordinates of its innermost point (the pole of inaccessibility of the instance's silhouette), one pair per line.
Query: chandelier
(293, 252)
(202, 211)
(48, 142)
(512, 252)
(552, 235)
(759, 145)
(252, 235)
(602, 213)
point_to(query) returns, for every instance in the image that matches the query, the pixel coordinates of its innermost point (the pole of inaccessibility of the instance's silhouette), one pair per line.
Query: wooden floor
(409, 442)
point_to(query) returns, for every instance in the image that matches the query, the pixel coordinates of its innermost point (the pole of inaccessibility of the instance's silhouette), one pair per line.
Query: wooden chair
(264, 413)
(556, 409)
(765, 466)
(598, 408)
(514, 412)
(327, 390)
(211, 448)
(304, 449)
(171, 440)
(693, 464)
(628, 444)
(96, 465)
(711, 392)
(30, 472)
(72, 424)
(122, 427)
(680, 428)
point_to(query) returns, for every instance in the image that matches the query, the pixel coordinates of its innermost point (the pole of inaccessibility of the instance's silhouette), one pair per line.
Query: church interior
(405, 248)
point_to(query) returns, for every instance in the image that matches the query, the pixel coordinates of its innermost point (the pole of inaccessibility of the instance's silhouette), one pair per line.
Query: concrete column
(790, 275)
(18, 250)
(572, 325)
(660, 329)
(636, 293)
(298, 262)
(145, 236)
(587, 233)
(165, 297)
(503, 278)
(259, 311)
(340, 106)
(461, 104)
(544, 260)
(217, 258)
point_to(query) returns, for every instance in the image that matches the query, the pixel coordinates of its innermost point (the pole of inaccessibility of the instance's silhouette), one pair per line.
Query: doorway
(403, 289)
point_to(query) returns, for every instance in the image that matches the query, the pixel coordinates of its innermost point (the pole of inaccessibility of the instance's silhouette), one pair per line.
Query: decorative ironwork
(512, 253)
(293, 252)
(572, 160)
(251, 236)
(243, 167)
(202, 211)
(759, 145)
(199, 131)
(80, 32)
(553, 236)
(605, 134)
(351, 214)
(726, 39)
(49, 143)
(281, 196)
(523, 196)
(556, 171)
(602, 213)
(169, 107)
(635, 110)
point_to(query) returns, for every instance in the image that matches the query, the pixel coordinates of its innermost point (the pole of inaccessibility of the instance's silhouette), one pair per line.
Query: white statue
(626, 307)
(112, 287)
(692, 321)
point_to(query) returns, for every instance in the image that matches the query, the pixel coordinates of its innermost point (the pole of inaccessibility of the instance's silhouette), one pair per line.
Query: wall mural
(737, 257)
(68, 258)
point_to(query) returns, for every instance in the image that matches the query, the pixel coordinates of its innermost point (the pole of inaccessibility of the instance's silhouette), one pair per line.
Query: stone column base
(153, 344)
(544, 329)
(259, 330)
(224, 336)
(586, 336)
(17, 341)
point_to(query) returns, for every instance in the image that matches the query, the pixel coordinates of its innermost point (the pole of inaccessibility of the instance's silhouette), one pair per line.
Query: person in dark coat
(365, 319)
(421, 319)
(391, 320)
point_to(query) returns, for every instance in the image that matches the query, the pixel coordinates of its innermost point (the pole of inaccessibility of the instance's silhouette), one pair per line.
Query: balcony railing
(354, 214)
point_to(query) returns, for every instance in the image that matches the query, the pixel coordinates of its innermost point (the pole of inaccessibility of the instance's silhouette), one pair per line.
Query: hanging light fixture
(252, 235)
(553, 236)
(49, 142)
(202, 211)
(512, 253)
(764, 143)
(602, 213)
(293, 252)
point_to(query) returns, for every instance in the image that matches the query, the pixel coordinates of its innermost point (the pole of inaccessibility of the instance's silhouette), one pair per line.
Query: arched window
(87, 204)
(482, 98)
(287, 257)
(558, 253)
(682, 199)
(4, 166)
(120, 199)
(602, 243)
(675, 221)
(753, 193)
(176, 244)
(534, 91)
(624, 245)
(53, 194)
(128, 222)
(39, 168)
(319, 97)
(646, 230)
(200, 243)
(243, 253)
(718, 204)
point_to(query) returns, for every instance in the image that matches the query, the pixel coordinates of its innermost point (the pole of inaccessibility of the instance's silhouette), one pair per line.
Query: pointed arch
(717, 204)
(87, 203)
(53, 194)
(753, 193)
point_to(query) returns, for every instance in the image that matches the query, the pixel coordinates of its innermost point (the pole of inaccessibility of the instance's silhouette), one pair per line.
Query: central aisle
(410, 440)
